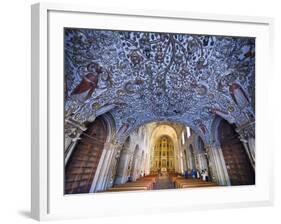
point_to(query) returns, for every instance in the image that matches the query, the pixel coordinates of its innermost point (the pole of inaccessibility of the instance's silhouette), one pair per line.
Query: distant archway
(163, 155)
(167, 129)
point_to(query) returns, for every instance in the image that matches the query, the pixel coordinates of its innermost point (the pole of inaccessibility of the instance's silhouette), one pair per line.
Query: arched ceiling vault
(140, 77)
(165, 130)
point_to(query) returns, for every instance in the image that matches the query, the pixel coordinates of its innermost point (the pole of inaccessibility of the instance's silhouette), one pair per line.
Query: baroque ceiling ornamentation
(141, 76)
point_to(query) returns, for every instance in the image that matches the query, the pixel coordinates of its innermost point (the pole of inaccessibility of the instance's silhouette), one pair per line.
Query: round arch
(91, 144)
(163, 155)
(134, 127)
(236, 157)
(99, 182)
(214, 138)
(170, 132)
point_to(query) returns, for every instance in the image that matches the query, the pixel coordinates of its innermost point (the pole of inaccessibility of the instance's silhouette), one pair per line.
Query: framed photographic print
(148, 111)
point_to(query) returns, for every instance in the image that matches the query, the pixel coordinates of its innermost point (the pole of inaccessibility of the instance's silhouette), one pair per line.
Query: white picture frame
(48, 201)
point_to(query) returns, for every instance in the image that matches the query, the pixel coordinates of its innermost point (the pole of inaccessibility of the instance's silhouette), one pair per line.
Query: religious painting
(150, 111)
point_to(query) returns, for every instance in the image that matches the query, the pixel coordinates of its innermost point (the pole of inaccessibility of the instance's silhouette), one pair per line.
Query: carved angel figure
(88, 84)
(238, 95)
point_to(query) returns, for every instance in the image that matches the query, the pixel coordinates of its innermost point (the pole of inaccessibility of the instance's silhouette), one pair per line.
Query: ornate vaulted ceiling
(140, 77)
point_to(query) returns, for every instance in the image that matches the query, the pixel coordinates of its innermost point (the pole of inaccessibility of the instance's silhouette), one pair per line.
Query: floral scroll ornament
(156, 76)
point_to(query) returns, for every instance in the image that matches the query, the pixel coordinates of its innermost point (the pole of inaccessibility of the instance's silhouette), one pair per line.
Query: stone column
(136, 167)
(217, 167)
(69, 149)
(102, 176)
(201, 158)
(73, 130)
(112, 165)
(184, 161)
(122, 169)
(147, 163)
(247, 137)
(189, 160)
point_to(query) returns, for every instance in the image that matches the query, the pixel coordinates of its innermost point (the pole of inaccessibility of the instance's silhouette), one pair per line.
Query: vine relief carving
(146, 76)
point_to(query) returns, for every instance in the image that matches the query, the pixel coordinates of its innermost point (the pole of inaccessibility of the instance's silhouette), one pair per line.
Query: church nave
(156, 110)
(155, 156)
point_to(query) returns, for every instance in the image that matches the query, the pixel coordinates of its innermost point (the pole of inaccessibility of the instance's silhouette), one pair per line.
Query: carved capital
(70, 122)
(246, 131)
(113, 146)
(72, 132)
(212, 146)
(109, 146)
(209, 147)
(117, 155)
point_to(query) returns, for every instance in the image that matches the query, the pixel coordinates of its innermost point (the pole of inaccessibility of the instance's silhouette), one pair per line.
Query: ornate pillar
(103, 175)
(189, 160)
(112, 166)
(184, 161)
(217, 167)
(202, 163)
(136, 167)
(73, 130)
(247, 137)
(122, 169)
(147, 164)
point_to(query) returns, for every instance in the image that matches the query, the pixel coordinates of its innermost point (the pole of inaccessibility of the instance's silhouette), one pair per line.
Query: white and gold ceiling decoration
(140, 77)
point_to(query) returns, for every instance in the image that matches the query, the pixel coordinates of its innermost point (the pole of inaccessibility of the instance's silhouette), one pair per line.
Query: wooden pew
(185, 183)
(194, 184)
(174, 178)
(198, 185)
(144, 183)
(178, 181)
(148, 184)
(153, 179)
(123, 188)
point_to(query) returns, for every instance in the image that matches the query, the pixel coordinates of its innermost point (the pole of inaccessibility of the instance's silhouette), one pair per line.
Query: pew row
(143, 183)
(123, 188)
(192, 183)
